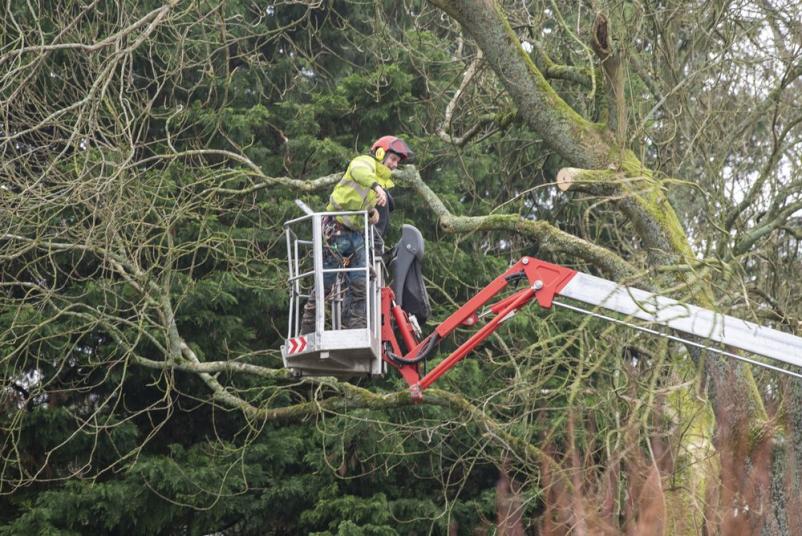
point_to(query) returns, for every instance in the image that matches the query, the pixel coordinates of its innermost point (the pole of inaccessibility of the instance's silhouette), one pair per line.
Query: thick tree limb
(568, 133)
(548, 237)
(596, 182)
(555, 71)
(357, 398)
(576, 139)
(251, 170)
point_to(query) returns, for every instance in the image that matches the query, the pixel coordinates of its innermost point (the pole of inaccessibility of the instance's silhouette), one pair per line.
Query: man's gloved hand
(373, 216)
(381, 194)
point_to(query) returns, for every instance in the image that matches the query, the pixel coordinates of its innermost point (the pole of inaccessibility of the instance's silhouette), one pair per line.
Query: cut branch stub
(565, 178)
(595, 181)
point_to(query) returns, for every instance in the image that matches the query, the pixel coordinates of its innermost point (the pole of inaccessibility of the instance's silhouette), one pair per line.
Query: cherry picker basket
(330, 350)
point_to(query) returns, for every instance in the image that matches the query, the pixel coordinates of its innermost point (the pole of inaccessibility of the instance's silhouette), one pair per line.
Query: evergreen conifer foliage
(152, 153)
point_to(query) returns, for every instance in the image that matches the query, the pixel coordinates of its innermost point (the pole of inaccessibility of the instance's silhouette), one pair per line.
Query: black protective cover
(406, 268)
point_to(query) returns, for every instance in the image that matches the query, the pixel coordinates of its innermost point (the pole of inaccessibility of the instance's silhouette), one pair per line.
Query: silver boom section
(690, 319)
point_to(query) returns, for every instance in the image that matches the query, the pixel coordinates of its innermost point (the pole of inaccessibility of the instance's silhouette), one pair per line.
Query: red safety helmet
(391, 144)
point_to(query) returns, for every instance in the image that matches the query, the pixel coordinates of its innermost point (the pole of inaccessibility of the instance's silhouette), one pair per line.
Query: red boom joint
(544, 279)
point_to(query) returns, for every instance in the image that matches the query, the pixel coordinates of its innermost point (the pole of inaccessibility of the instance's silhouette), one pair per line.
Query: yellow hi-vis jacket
(355, 189)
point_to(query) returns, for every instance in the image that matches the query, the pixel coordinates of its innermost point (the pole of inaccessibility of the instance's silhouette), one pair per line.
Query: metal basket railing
(305, 247)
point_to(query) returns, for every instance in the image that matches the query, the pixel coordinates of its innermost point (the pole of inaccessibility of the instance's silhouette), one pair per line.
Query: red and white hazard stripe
(296, 345)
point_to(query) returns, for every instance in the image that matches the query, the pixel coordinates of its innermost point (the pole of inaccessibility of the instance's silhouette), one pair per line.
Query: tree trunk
(741, 439)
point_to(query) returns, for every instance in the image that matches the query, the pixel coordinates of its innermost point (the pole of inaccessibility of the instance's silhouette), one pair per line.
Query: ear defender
(380, 154)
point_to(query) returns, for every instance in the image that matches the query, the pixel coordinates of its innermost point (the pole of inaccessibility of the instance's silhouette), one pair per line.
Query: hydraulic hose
(433, 341)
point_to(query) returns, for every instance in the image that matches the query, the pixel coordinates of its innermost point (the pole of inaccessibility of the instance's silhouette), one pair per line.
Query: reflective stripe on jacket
(354, 191)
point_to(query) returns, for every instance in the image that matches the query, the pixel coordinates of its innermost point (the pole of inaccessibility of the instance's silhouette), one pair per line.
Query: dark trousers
(350, 245)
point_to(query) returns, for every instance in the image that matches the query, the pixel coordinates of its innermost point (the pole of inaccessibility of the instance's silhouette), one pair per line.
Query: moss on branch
(545, 234)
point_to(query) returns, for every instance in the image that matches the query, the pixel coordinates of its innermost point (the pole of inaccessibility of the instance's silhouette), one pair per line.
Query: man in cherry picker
(364, 186)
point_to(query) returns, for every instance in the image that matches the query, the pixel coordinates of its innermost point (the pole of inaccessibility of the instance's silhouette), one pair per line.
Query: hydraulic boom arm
(545, 281)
